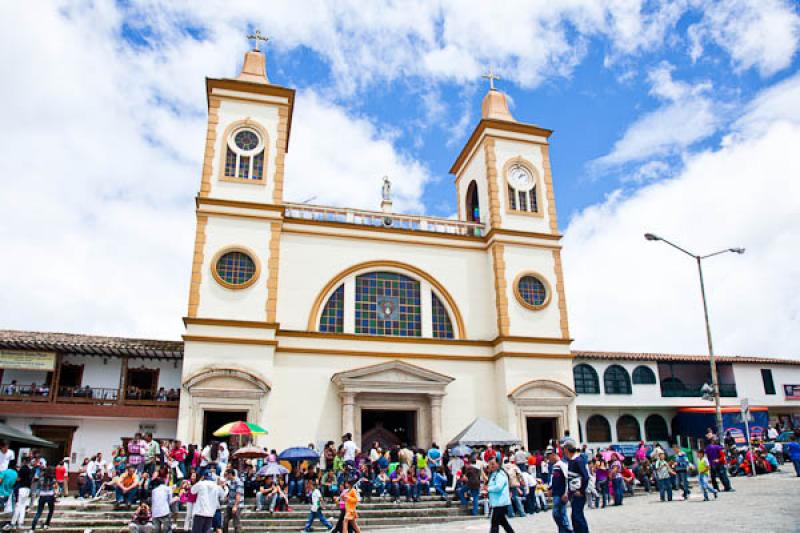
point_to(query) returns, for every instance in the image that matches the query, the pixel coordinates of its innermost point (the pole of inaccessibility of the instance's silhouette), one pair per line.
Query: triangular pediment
(393, 371)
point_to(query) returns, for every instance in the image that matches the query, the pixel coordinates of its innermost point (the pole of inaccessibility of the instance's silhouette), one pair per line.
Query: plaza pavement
(766, 504)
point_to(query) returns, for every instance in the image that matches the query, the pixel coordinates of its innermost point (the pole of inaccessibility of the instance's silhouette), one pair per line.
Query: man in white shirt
(6, 455)
(530, 492)
(208, 496)
(161, 512)
(316, 510)
(772, 433)
(350, 450)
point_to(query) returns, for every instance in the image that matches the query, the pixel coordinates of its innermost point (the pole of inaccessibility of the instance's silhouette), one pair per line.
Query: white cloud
(341, 160)
(687, 116)
(626, 293)
(101, 161)
(762, 34)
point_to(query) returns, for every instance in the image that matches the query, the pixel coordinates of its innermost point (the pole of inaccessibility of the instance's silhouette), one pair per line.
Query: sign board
(792, 392)
(24, 360)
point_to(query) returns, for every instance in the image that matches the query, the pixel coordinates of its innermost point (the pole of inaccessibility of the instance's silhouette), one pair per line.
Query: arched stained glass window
(442, 327)
(388, 303)
(628, 429)
(332, 318)
(617, 380)
(244, 156)
(655, 428)
(586, 381)
(643, 375)
(598, 429)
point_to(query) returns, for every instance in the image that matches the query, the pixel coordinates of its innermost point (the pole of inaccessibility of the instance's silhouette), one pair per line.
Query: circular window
(235, 269)
(246, 140)
(532, 291)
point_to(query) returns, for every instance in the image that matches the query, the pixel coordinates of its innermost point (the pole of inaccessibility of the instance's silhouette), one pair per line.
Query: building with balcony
(627, 397)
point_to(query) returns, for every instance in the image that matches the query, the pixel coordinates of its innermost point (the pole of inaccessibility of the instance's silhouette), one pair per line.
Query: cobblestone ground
(767, 504)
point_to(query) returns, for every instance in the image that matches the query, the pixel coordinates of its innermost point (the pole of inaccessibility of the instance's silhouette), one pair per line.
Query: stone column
(436, 420)
(348, 413)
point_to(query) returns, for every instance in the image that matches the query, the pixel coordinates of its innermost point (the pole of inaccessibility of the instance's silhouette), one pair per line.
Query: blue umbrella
(461, 450)
(298, 453)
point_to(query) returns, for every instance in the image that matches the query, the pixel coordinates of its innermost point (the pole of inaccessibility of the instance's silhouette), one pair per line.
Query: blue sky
(680, 117)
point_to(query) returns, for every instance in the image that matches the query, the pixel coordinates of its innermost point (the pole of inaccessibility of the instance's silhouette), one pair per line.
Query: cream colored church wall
(308, 263)
(231, 111)
(532, 153)
(304, 405)
(217, 301)
(523, 321)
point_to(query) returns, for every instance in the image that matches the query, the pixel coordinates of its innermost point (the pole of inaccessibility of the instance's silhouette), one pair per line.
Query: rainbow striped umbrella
(240, 428)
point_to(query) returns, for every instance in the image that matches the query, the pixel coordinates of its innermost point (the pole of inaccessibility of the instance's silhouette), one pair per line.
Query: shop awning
(20, 437)
(482, 432)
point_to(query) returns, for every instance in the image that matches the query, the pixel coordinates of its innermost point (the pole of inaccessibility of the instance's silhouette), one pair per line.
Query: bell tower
(503, 181)
(231, 321)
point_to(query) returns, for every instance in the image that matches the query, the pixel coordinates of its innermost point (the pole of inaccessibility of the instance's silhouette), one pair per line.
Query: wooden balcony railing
(87, 395)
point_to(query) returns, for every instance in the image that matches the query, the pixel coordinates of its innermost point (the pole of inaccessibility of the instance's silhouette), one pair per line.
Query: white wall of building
(95, 434)
(267, 116)
(98, 372)
(613, 415)
(533, 154)
(750, 385)
(545, 322)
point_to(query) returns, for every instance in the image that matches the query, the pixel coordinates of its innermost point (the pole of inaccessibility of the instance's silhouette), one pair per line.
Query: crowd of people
(208, 485)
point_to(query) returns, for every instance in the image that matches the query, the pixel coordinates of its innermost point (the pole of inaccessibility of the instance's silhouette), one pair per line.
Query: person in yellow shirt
(703, 470)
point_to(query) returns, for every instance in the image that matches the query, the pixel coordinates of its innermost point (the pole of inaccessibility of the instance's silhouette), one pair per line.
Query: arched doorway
(215, 396)
(472, 203)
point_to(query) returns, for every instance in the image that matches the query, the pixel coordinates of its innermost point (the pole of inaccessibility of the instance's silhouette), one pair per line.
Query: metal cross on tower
(256, 37)
(491, 76)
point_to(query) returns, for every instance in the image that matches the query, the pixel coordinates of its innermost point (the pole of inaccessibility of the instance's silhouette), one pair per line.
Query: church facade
(316, 321)
(319, 321)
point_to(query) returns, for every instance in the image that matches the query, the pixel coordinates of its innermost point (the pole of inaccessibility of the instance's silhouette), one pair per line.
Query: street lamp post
(711, 360)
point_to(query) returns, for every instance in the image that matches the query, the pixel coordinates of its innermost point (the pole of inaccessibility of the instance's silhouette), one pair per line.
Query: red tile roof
(90, 344)
(682, 358)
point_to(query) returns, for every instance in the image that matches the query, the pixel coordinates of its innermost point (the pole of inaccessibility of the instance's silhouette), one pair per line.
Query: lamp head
(651, 237)
(737, 250)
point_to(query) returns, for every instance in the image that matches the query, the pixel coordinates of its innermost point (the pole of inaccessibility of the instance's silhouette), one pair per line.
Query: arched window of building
(400, 301)
(388, 303)
(655, 428)
(643, 375)
(442, 327)
(598, 429)
(628, 429)
(332, 318)
(472, 203)
(617, 380)
(521, 186)
(586, 380)
(244, 156)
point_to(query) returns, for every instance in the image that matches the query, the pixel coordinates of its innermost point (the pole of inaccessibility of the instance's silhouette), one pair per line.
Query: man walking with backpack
(577, 482)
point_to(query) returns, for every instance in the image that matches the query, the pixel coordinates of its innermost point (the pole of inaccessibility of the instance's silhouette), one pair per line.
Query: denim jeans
(702, 480)
(474, 493)
(665, 489)
(683, 482)
(602, 489)
(316, 514)
(560, 515)
(578, 520)
(796, 463)
(422, 489)
(129, 497)
(619, 490)
(516, 504)
(719, 471)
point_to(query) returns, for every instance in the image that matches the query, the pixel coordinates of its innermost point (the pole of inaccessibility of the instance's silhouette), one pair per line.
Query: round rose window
(532, 291)
(235, 269)
(246, 140)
